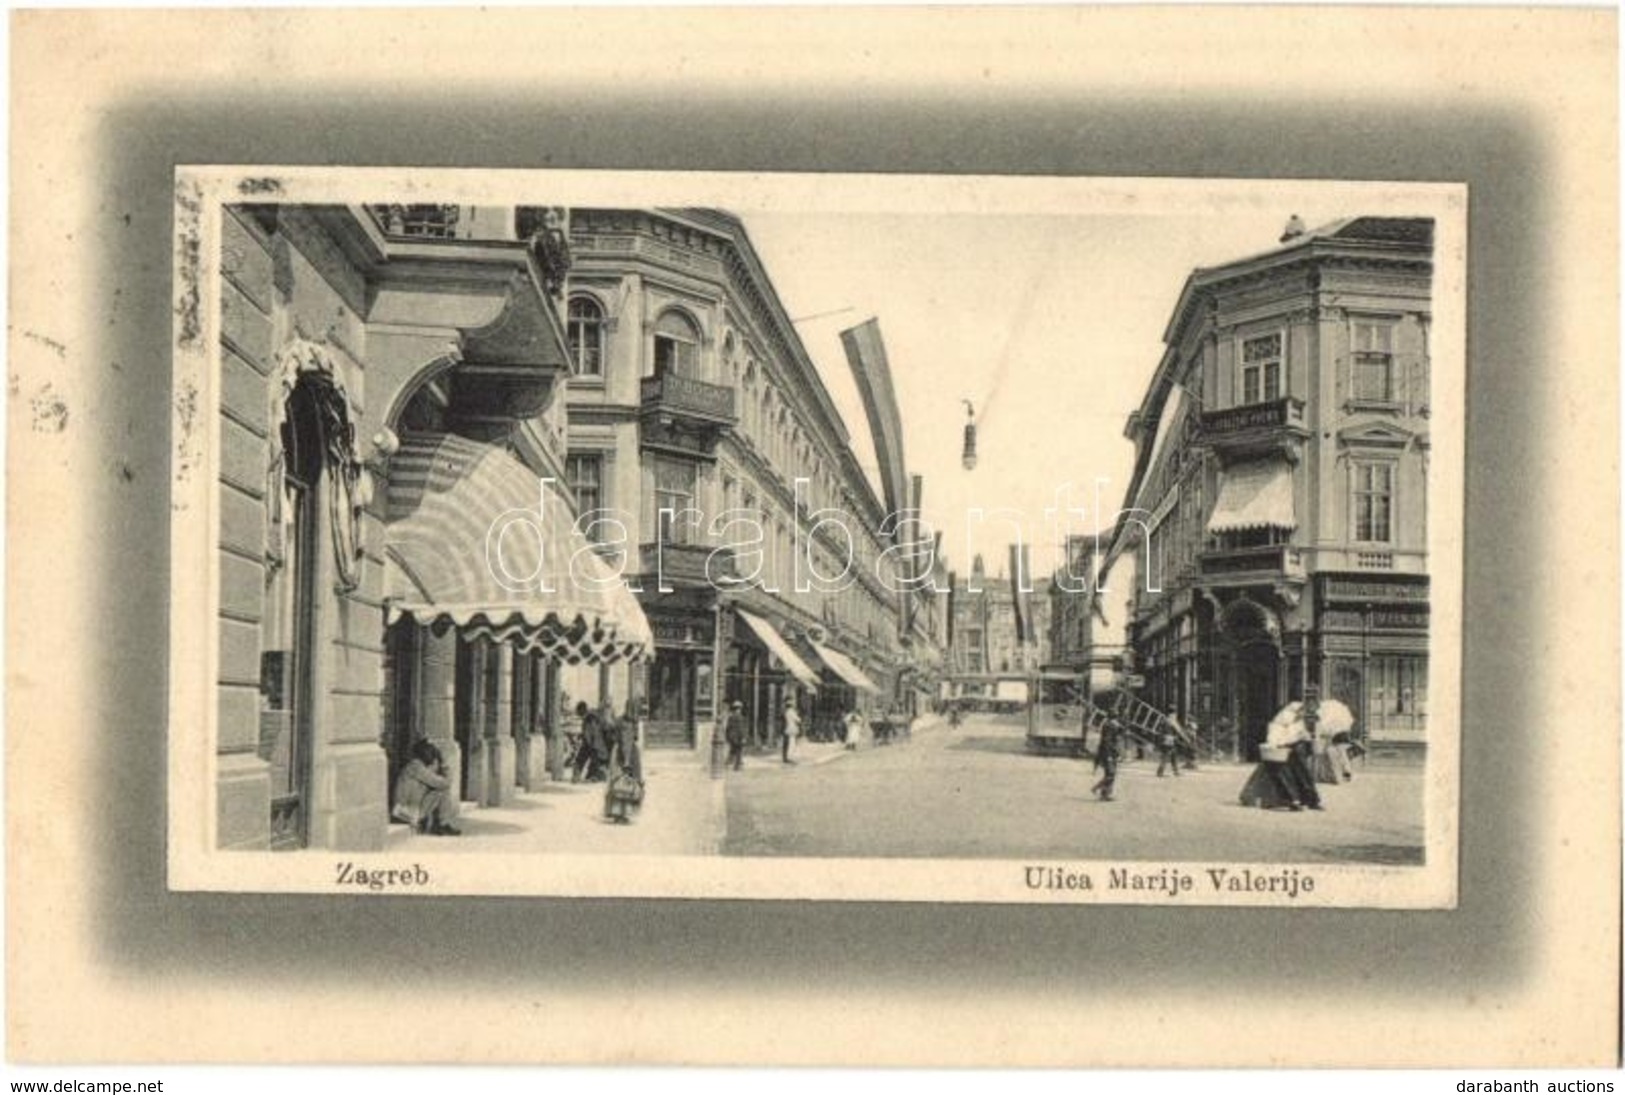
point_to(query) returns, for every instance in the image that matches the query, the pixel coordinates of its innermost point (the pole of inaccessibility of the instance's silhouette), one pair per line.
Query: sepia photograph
(1078, 526)
(955, 538)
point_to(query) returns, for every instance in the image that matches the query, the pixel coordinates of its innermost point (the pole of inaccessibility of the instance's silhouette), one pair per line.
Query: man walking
(1106, 761)
(734, 735)
(1168, 745)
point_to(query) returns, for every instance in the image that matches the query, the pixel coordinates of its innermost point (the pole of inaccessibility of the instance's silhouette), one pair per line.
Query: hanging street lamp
(969, 457)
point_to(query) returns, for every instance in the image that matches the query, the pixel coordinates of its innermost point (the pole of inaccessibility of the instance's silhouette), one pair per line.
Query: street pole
(718, 713)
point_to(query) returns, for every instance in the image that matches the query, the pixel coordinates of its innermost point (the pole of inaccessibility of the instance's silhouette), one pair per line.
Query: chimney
(1294, 228)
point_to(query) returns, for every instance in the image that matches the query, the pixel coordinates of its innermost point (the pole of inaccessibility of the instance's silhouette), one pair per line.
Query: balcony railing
(1275, 559)
(681, 396)
(436, 222)
(1254, 416)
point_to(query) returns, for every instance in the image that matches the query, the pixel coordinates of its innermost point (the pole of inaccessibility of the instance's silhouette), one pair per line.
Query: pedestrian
(623, 794)
(854, 728)
(1276, 783)
(733, 732)
(1168, 745)
(423, 792)
(594, 748)
(1301, 757)
(1187, 748)
(792, 730)
(1106, 762)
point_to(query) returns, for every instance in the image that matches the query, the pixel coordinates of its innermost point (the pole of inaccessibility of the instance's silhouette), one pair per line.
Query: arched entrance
(1253, 650)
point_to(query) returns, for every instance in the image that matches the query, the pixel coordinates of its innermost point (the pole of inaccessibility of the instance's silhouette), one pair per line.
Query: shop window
(1261, 361)
(1373, 503)
(669, 686)
(1373, 362)
(586, 335)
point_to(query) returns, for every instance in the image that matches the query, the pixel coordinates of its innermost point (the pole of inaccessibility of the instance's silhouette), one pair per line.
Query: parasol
(1335, 717)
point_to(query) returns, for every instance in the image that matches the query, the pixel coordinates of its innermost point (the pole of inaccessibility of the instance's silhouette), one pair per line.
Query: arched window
(586, 335)
(677, 345)
(730, 358)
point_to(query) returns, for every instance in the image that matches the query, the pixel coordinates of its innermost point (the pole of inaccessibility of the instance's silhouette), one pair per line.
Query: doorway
(291, 698)
(1257, 681)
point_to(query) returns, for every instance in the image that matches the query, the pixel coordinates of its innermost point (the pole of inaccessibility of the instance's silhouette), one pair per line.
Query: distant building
(1072, 603)
(1275, 531)
(984, 633)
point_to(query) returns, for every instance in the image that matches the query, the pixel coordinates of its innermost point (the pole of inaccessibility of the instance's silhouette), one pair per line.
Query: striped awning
(478, 542)
(843, 667)
(780, 649)
(1254, 495)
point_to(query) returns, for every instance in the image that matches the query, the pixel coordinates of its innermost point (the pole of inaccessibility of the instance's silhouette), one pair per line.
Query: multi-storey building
(985, 639)
(388, 393)
(738, 508)
(1276, 521)
(1072, 604)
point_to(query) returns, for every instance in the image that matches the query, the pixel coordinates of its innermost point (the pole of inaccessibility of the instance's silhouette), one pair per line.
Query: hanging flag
(1020, 593)
(866, 353)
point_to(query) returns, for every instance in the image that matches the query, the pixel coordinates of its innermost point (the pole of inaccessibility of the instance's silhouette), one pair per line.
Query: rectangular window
(1261, 362)
(1374, 503)
(675, 356)
(1373, 362)
(585, 475)
(674, 493)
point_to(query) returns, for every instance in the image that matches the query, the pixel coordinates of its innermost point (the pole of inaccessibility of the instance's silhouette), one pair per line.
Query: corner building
(391, 382)
(1275, 527)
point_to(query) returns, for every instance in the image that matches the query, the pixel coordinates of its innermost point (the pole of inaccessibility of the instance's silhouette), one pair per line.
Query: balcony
(1257, 429)
(1254, 563)
(684, 416)
(432, 222)
(685, 565)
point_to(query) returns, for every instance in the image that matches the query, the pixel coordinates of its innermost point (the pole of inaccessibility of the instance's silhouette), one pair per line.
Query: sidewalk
(684, 810)
(683, 814)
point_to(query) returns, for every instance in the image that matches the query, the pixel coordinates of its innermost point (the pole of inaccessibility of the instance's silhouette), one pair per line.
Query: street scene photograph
(932, 524)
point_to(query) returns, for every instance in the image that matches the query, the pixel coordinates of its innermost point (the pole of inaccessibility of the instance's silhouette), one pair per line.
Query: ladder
(1134, 718)
(1145, 722)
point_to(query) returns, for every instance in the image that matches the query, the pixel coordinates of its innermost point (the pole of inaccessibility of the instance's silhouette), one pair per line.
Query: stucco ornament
(349, 482)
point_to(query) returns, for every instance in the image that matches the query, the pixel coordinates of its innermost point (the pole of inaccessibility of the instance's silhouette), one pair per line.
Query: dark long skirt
(1271, 786)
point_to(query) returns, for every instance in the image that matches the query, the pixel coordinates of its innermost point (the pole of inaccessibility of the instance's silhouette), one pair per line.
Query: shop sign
(1338, 589)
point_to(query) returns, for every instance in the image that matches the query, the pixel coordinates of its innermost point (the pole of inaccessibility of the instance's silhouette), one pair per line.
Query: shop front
(844, 688)
(1373, 651)
(679, 684)
(489, 593)
(765, 675)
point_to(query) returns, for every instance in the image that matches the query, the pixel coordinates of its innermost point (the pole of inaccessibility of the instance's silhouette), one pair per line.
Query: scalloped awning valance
(478, 542)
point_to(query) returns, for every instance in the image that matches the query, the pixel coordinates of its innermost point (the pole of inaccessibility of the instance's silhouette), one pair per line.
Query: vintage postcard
(733, 609)
(911, 538)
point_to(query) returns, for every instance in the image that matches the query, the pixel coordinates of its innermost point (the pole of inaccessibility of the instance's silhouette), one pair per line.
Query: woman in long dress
(1333, 739)
(1272, 783)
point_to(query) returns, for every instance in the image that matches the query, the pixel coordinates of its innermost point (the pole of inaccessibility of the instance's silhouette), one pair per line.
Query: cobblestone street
(973, 792)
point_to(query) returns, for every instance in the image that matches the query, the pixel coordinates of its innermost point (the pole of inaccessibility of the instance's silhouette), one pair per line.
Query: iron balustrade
(683, 396)
(1278, 413)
